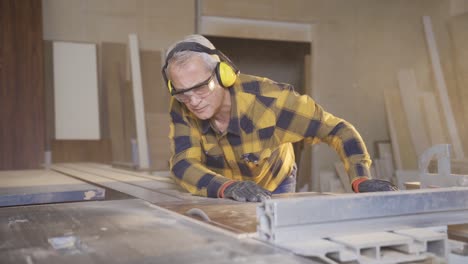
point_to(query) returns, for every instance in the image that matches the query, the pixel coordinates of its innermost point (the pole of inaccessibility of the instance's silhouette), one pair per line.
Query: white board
(75, 91)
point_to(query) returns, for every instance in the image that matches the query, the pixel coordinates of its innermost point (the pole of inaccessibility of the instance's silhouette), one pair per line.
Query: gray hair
(181, 57)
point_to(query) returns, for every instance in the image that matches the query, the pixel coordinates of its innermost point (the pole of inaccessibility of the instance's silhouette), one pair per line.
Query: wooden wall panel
(81, 151)
(21, 85)
(116, 90)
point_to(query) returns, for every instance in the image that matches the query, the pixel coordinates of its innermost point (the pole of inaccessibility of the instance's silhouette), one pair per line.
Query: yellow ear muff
(169, 86)
(226, 75)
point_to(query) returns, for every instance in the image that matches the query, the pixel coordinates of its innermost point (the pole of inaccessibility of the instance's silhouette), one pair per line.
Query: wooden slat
(24, 187)
(442, 89)
(410, 96)
(142, 140)
(403, 152)
(459, 36)
(434, 123)
(343, 175)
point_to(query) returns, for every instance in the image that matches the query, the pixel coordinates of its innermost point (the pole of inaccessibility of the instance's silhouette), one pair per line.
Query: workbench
(152, 221)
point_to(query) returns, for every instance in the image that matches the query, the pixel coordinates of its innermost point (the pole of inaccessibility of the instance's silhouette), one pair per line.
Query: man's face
(204, 100)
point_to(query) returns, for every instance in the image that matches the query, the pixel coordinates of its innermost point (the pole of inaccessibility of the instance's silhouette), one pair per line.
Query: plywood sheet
(24, 187)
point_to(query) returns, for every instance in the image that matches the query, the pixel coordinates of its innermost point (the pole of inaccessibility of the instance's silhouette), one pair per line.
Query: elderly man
(231, 134)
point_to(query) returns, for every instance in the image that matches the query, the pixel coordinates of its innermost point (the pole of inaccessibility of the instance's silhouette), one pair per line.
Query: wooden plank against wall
(22, 114)
(442, 89)
(403, 152)
(410, 96)
(142, 140)
(434, 123)
(459, 36)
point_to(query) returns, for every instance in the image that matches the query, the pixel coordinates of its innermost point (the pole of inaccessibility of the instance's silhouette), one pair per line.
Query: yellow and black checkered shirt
(266, 117)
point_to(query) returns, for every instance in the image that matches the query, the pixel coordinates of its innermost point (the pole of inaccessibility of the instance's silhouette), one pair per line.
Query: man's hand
(246, 191)
(375, 185)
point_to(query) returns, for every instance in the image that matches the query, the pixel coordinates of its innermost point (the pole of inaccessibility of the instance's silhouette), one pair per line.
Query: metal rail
(299, 219)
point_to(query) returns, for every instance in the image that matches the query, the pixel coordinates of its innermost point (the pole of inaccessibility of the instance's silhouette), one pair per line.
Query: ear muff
(226, 71)
(169, 86)
(225, 74)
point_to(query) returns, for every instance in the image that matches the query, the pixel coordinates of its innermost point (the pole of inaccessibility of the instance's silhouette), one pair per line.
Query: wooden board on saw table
(24, 187)
(238, 217)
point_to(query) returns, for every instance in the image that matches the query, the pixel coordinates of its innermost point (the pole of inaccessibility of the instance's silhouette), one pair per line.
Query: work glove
(245, 191)
(374, 185)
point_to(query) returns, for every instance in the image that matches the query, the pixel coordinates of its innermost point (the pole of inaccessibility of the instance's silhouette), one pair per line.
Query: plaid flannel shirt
(266, 117)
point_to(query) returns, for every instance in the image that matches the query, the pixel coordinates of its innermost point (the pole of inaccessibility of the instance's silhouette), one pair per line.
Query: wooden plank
(403, 153)
(343, 175)
(24, 187)
(442, 89)
(434, 123)
(158, 176)
(410, 96)
(142, 140)
(459, 37)
(238, 217)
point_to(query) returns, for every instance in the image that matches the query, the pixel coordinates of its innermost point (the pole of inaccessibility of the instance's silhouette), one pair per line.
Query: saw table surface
(124, 231)
(43, 186)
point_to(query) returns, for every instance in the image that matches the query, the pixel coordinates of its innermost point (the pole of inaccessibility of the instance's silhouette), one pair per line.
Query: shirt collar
(234, 126)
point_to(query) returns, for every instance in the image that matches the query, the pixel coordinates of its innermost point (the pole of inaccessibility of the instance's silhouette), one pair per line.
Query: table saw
(146, 218)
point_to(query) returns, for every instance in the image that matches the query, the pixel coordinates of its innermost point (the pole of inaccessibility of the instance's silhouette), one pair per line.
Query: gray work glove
(246, 191)
(375, 185)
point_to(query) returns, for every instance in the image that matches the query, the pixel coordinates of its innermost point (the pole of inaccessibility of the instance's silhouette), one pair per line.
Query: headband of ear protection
(226, 71)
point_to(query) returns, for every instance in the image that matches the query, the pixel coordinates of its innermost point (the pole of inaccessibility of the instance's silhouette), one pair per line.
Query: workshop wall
(359, 45)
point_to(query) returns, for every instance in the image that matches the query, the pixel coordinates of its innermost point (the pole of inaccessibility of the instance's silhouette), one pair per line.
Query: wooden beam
(255, 29)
